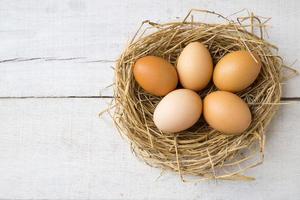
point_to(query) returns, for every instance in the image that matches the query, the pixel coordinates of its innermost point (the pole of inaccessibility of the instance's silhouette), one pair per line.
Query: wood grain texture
(60, 149)
(99, 30)
(55, 78)
(55, 60)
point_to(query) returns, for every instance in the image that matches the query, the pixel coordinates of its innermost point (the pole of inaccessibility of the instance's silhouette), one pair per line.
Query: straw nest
(200, 150)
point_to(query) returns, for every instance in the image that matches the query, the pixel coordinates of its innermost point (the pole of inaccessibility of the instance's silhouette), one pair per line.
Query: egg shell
(155, 75)
(195, 66)
(236, 71)
(177, 111)
(226, 112)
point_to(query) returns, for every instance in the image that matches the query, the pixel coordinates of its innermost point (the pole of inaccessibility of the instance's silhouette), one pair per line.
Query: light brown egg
(155, 75)
(195, 66)
(177, 111)
(236, 71)
(226, 112)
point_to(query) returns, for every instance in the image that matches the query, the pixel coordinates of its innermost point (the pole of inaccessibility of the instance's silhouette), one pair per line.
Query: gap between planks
(47, 59)
(82, 60)
(102, 97)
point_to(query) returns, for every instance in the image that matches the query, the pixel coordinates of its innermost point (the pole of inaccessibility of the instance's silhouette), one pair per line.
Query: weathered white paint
(55, 78)
(60, 149)
(99, 30)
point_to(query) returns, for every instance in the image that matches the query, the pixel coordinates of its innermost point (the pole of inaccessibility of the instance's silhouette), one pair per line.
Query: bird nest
(199, 151)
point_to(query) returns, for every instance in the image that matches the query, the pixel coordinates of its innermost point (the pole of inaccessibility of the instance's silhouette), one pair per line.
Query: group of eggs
(180, 109)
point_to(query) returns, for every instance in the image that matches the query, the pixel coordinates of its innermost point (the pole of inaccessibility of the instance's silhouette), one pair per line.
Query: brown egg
(226, 112)
(195, 66)
(155, 75)
(236, 71)
(177, 111)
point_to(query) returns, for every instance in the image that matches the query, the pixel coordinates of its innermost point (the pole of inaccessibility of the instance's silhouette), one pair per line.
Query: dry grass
(200, 150)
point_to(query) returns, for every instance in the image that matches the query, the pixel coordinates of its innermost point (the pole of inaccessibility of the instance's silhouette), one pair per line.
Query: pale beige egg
(177, 111)
(195, 66)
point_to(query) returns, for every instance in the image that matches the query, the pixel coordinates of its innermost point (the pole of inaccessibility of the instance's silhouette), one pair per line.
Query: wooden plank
(73, 77)
(47, 77)
(60, 149)
(99, 30)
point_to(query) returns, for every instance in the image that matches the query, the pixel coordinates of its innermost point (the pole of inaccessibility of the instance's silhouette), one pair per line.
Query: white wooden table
(52, 143)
